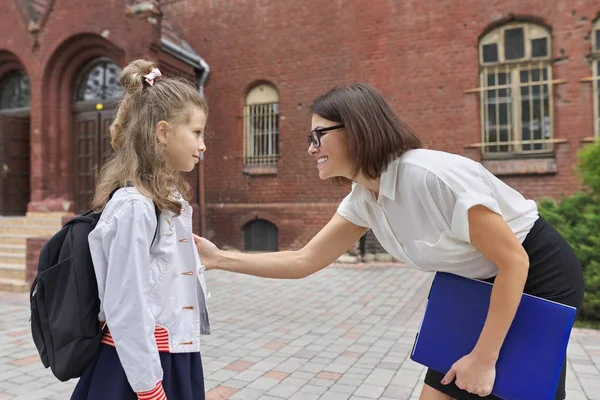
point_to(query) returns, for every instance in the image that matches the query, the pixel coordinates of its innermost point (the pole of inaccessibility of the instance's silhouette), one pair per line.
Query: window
(261, 126)
(516, 90)
(596, 75)
(260, 235)
(14, 91)
(100, 81)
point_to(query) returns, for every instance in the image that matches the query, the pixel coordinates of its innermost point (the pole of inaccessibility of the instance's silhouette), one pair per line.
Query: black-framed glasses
(315, 135)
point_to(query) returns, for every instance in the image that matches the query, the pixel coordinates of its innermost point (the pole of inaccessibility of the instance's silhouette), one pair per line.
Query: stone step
(11, 271)
(13, 239)
(12, 249)
(13, 285)
(29, 230)
(19, 221)
(12, 259)
(47, 215)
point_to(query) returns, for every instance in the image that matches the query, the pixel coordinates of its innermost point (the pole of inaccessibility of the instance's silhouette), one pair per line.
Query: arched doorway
(15, 103)
(97, 95)
(260, 235)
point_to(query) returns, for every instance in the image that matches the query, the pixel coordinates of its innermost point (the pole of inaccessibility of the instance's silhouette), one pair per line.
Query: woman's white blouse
(421, 214)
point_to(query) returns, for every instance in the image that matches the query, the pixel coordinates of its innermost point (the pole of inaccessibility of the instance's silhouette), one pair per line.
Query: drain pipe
(201, 195)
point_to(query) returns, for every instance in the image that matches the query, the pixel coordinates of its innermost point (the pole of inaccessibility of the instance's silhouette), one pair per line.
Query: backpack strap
(157, 212)
(113, 192)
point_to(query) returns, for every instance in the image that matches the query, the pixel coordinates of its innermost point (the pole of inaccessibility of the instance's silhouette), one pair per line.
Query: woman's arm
(331, 242)
(496, 241)
(490, 234)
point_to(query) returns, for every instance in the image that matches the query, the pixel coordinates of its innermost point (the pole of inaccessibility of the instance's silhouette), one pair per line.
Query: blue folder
(534, 350)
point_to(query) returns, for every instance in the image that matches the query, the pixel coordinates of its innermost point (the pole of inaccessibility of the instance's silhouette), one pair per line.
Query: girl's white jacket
(142, 287)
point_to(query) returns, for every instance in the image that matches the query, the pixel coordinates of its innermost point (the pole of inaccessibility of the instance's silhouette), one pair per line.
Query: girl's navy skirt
(104, 378)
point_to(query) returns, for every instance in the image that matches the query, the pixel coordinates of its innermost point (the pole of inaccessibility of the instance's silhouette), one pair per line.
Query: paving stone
(343, 333)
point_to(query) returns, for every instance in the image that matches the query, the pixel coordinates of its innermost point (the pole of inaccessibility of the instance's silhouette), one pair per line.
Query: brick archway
(245, 218)
(9, 62)
(52, 148)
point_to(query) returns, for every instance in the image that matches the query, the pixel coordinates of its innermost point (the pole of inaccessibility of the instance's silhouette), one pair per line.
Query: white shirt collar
(388, 180)
(387, 184)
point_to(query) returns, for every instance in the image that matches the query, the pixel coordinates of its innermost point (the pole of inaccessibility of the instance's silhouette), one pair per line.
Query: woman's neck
(371, 184)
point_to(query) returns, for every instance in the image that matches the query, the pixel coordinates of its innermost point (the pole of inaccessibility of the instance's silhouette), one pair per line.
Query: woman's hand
(208, 252)
(473, 373)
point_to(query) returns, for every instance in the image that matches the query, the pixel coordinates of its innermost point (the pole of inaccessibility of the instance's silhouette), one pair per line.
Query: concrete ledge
(526, 166)
(260, 169)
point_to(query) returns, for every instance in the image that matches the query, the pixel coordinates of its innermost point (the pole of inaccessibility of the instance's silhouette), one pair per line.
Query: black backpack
(64, 299)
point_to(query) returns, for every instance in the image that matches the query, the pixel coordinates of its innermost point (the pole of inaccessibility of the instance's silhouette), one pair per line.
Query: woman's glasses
(315, 135)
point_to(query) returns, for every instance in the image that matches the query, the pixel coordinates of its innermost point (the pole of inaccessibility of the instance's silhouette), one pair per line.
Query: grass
(587, 324)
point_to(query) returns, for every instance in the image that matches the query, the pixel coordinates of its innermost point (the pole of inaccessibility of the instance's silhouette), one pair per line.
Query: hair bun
(133, 75)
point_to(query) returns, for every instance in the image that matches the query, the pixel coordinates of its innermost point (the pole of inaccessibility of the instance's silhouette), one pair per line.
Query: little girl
(150, 279)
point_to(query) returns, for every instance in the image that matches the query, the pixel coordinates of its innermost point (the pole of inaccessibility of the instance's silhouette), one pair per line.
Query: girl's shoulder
(124, 201)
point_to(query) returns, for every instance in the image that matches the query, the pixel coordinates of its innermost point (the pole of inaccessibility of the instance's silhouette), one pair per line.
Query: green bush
(577, 218)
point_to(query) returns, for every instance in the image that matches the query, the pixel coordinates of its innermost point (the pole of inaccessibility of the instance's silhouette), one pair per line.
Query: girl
(152, 289)
(434, 211)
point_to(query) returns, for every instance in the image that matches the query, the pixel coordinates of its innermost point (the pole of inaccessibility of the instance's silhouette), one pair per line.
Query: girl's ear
(162, 131)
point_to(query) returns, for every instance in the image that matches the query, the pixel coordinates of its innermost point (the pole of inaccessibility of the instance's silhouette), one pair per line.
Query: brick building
(510, 83)
(59, 70)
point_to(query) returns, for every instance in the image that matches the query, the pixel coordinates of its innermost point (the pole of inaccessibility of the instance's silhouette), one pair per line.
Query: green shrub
(577, 218)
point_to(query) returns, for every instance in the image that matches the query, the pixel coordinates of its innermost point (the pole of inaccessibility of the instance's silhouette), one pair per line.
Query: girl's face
(184, 142)
(332, 157)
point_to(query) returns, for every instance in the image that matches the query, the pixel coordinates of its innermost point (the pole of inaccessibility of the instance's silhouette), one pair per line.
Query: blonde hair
(138, 158)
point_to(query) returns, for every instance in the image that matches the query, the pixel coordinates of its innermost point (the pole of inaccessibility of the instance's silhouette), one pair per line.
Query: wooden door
(261, 235)
(92, 149)
(106, 118)
(14, 165)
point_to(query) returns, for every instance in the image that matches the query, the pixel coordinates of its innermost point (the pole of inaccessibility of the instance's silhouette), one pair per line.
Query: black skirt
(554, 274)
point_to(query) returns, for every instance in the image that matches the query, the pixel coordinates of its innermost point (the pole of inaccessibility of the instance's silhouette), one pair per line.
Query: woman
(432, 210)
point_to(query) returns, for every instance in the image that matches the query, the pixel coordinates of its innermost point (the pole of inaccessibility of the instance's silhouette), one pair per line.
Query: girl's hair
(137, 156)
(376, 136)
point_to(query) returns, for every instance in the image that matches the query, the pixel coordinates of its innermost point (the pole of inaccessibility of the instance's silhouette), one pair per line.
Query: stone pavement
(344, 333)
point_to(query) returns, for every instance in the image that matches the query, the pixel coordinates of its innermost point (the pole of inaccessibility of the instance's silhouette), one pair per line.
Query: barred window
(516, 89)
(261, 126)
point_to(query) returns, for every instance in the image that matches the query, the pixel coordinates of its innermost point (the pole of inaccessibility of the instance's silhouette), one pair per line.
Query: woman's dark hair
(376, 136)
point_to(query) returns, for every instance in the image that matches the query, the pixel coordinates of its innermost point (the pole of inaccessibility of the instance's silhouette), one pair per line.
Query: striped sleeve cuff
(158, 393)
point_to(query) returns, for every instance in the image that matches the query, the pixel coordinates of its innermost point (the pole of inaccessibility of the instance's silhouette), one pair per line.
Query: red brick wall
(76, 32)
(421, 54)
(34, 247)
(296, 222)
(52, 67)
